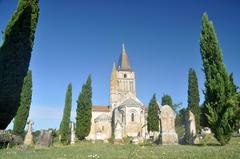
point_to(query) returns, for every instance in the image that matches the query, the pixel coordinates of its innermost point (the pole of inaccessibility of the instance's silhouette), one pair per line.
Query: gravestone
(168, 135)
(135, 141)
(155, 136)
(190, 128)
(29, 137)
(5, 139)
(72, 134)
(45, 139)
(98, 135)
(205, 131)
(118, 136)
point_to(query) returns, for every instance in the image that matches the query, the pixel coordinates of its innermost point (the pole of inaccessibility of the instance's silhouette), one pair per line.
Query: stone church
(126, 114)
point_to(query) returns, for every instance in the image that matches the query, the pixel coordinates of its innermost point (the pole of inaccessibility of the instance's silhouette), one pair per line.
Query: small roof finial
(114, 66)
(123, 48)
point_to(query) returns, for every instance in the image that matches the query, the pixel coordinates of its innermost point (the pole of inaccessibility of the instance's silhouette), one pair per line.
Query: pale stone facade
(125, 116)
(98, 126)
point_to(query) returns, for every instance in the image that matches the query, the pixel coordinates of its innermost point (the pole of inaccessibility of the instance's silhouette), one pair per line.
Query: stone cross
(29, 137)
(190, 127)
(72, 133)
(168, 135)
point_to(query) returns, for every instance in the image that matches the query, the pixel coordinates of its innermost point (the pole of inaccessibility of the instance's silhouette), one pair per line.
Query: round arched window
(132, 117)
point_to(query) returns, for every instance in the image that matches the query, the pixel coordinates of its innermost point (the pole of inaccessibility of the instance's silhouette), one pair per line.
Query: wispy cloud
(45, 112)
(48, 112)
(47, 116)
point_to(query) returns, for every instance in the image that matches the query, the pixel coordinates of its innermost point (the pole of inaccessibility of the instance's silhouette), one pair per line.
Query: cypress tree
(64, 129)
(84, 110)
(180, 117)
(167, 100)
(153, 115)
(221, 102)
(15, 54)
(21, 117)
(193, 96)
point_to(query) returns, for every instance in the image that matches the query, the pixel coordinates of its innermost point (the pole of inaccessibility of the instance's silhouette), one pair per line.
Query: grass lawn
(87, 150)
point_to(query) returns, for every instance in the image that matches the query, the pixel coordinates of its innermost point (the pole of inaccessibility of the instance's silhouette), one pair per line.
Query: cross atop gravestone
(72, 133)
(29, 137)
(168, 134)
(190, 127)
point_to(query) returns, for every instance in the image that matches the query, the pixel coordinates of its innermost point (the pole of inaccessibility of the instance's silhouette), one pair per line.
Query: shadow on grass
(204, 145)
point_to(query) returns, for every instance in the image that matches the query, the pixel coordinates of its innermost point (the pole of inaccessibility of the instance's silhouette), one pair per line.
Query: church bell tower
(122, 82)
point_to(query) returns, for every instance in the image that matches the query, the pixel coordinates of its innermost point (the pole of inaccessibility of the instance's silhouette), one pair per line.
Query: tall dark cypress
(84, 110)
(153, 115)
(193, 96)
(64, 130)
(221, 102)
(21, 117)
(167, 100)
(15, 55)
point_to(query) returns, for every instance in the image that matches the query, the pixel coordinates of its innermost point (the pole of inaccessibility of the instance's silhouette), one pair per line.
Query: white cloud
(45, 112)
(47, 116)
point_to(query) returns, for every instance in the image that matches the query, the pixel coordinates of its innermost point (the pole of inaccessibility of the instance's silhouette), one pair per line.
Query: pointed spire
(114, 66)
(123, 63)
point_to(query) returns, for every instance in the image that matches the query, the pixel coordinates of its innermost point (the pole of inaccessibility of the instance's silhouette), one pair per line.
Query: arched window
(125, 75)
(102, 128)
(132, 117)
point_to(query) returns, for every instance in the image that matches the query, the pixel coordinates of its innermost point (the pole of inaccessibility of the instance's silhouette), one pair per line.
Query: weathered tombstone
(98, 135)
(118, 130)
(72, 133)
(29, 137)
(156, 136)
(5, 139)
(135, 141)
(168, 134)
(190, 127)
(205, 131)
(45, 139)
(17, 140)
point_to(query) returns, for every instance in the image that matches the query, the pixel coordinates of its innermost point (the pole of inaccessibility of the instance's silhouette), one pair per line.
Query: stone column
(72, 133)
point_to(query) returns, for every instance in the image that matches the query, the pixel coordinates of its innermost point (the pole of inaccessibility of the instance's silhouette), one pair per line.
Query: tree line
(221, 108)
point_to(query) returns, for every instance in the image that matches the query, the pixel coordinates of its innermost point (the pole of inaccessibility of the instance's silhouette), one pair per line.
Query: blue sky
(75, 38)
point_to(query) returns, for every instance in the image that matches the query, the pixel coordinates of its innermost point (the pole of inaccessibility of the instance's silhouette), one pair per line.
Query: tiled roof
(103, 117)
(101, 108)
